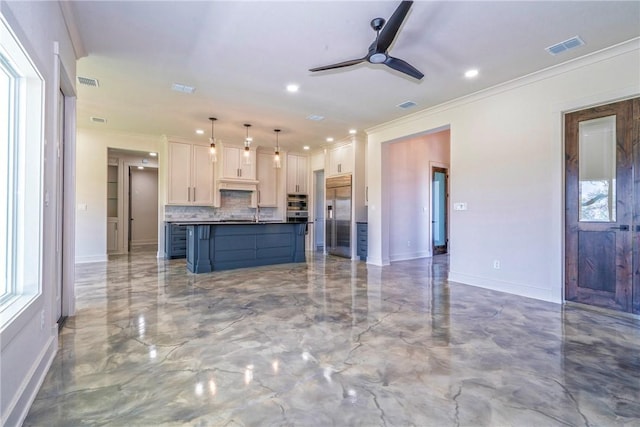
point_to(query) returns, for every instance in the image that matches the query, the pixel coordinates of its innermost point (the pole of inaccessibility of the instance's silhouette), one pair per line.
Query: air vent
(315, 117)
(88, 82)
(564, 46)
(98, 120)
(182, 88)
(407, 104)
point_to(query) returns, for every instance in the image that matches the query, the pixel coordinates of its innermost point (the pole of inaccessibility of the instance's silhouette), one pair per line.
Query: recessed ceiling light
(141, 167)
(329, 139)
(315, 117)
(306, 147)
(292, 87)
(199, 131)
(471, 73)
(182, 88)
(352, 131)
(153, 154)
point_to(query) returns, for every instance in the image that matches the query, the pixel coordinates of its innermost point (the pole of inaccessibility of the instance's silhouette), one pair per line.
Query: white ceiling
(240, 55)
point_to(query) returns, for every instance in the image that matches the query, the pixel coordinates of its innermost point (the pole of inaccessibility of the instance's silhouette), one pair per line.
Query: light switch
(460, 206)
(82, 206)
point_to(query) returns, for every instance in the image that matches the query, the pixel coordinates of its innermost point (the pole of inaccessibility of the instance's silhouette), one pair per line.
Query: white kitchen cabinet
(340, 160)
(190, 175)
(267, 180)
(112, 234)
(296, 174)
(234, 165)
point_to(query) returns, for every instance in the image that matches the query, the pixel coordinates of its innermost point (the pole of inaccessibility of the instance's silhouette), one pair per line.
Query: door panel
(144, 206)
(600, 205)
(439, 210)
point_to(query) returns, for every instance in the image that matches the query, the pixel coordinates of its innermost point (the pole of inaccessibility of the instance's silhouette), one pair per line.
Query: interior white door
(144, 206)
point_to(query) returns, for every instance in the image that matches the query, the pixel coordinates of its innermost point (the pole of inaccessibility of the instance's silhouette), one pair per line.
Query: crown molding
(546, 73)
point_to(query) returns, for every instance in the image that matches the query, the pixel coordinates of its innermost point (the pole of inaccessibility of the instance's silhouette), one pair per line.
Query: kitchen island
(215, 246)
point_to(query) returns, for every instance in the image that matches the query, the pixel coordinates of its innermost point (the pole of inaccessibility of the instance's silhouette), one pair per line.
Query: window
(7, 95)
(21, 148)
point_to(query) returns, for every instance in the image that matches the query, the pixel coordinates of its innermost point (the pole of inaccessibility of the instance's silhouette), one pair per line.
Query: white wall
(91, 187)
(29, 342)
(507, 165)
(408, 185)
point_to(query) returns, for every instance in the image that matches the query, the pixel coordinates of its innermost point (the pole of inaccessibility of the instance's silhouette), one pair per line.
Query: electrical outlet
(408, 242)
(496, 264)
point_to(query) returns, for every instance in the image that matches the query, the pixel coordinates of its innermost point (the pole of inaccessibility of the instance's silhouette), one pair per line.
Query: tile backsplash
(233, 205)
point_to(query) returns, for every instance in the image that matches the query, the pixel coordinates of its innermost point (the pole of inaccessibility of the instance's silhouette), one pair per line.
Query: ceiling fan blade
(390, 29)
(403, 67)
(338, 65)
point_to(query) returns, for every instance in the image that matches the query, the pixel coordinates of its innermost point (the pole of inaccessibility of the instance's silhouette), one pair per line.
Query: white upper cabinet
(296, 174)
(234, 165)
(267, 180)
(340, 160)
(190, 175)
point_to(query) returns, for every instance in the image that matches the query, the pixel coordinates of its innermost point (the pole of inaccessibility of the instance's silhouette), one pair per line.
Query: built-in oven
(297, 216)
(297, 209)
(296, 203)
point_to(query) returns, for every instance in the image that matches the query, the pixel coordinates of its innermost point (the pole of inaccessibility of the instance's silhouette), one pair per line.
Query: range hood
(238, 185)
(245, 185)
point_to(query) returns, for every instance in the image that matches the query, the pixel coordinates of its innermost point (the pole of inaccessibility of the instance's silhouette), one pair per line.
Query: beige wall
(507, 165)
(91, 188)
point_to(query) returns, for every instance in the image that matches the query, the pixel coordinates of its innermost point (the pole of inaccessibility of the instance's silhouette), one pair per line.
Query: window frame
(25, 177)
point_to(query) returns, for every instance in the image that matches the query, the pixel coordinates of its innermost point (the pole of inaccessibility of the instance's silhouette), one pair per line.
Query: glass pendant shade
(276, 157)
(247, 146)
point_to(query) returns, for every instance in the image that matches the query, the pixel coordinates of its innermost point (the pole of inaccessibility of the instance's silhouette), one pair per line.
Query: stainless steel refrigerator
(338, 216)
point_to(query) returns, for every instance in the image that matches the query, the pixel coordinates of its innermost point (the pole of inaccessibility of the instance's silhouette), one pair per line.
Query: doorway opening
(132, 197)
(143, 206)
(409, 199)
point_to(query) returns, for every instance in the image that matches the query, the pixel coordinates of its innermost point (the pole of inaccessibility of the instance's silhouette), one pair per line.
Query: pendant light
(276, 156)
(212, 143)
(247, 146)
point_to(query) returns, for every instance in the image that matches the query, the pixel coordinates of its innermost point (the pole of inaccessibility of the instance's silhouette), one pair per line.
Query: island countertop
(221, 222)
(224, 245)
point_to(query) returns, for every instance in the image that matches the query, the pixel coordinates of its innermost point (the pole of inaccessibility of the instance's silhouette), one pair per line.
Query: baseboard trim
(409, 256)
(19, 407)
(506, 287)
(144, 242)
(91, 258)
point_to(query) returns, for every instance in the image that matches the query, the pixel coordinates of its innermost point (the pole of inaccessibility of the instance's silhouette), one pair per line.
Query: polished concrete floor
(330, 342)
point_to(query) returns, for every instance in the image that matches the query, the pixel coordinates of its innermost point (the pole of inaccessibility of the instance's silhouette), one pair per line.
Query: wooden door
(602, 219)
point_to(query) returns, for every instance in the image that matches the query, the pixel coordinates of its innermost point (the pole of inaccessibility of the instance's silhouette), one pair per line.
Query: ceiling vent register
(566, 45)
(407, 104)
(86, 81)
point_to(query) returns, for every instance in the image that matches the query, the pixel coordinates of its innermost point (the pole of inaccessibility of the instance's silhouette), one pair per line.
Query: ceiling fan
(378, 50)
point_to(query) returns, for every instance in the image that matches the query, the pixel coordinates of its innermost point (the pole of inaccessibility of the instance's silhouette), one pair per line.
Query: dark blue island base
(224, 246)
